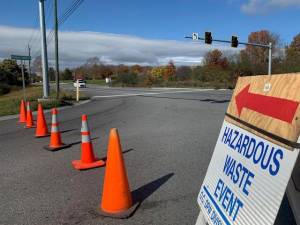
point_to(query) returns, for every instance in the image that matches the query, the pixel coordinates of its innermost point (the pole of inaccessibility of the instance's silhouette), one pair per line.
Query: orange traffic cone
(88, 160)
(22, 117)
(55, 139)
(116, 196)
(29, 117)
(41, 125)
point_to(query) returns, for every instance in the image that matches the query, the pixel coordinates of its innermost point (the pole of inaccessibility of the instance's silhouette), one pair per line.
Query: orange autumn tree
(169, 71)
(216, 58)
(258, 57)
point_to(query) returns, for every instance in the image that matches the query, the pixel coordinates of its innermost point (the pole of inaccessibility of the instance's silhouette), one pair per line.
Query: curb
(9, 117)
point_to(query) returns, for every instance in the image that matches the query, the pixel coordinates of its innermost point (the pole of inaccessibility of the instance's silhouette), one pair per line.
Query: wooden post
(77, 90)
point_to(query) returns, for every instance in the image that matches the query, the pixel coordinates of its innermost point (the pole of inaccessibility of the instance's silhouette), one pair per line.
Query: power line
(49, 9)
(72, 9)
(34, 32)
(62, 19)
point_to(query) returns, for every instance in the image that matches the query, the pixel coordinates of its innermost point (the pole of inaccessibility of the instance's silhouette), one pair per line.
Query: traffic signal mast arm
(234, 43)
(240, 43)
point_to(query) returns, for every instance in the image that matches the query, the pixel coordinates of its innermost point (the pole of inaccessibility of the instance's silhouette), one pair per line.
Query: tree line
(218, 69)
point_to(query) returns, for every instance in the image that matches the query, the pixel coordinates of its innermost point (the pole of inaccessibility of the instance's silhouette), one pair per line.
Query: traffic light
(208, 38)
(234, 41)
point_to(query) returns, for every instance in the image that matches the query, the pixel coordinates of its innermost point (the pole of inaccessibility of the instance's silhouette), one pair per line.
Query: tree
(67, 74)
(105, 71)
(137, 69)
(183, 73)
(243, 65)
(259, 56)
(215, 58)
(13, 72)
(157, 72)
(81, 72)
(37, 66)
(293, 55)
(122, 69)
(127, 78)
(169, 71)
(92, 61)
(51, 73)
(3, 76)
(4, 87)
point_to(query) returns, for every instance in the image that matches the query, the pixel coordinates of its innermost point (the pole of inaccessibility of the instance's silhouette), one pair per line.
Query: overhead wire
(34, 32)
(62, 19)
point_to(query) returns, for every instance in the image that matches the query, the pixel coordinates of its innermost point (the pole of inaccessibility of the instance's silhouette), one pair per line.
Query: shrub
(127, 78)
(4, 89)
(184, 73)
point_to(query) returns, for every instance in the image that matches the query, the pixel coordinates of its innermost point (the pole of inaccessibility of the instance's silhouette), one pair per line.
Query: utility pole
(44, 49)
(29, 64)
(56, 49)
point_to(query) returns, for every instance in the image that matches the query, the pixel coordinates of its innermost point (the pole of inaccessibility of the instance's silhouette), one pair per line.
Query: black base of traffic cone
(53, 149)
(122, 215)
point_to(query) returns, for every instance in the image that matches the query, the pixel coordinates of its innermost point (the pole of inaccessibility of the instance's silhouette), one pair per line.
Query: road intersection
(167, 136)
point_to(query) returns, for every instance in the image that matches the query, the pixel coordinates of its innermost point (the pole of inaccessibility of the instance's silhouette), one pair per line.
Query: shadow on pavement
(66, 131)
(140, 194)
(214, 100)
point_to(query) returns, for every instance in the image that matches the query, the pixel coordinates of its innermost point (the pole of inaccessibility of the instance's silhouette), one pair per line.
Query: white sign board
(246, 179)
(195, 36)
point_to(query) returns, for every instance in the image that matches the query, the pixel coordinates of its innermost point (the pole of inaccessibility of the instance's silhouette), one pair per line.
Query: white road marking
(150, 93)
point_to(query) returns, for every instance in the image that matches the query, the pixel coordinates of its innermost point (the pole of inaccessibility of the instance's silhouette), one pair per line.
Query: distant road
(168, 136)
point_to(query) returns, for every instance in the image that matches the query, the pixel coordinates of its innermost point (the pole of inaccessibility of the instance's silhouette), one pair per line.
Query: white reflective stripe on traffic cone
(85, 133)
(85, 138)
(54, 125)
(84, 126)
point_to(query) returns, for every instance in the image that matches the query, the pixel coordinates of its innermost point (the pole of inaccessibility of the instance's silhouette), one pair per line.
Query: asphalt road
(168, 137)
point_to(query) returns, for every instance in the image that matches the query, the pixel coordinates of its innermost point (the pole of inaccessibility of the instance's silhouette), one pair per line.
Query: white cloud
(264, 6)
(76, 47)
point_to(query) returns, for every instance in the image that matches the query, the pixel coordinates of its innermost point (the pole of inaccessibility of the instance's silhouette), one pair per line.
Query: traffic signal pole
(269, 46)
(270, 59)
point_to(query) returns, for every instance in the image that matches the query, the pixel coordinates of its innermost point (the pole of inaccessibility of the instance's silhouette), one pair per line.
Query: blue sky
(159, 20)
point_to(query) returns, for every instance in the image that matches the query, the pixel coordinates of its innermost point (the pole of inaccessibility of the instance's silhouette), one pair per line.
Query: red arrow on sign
(279, 108)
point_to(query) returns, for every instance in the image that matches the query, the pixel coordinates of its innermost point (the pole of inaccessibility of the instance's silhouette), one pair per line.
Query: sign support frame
(23, 80)
(262, 128)
(22, 58)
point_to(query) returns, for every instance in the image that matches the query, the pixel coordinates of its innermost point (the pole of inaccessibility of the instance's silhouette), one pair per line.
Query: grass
(10, 103)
